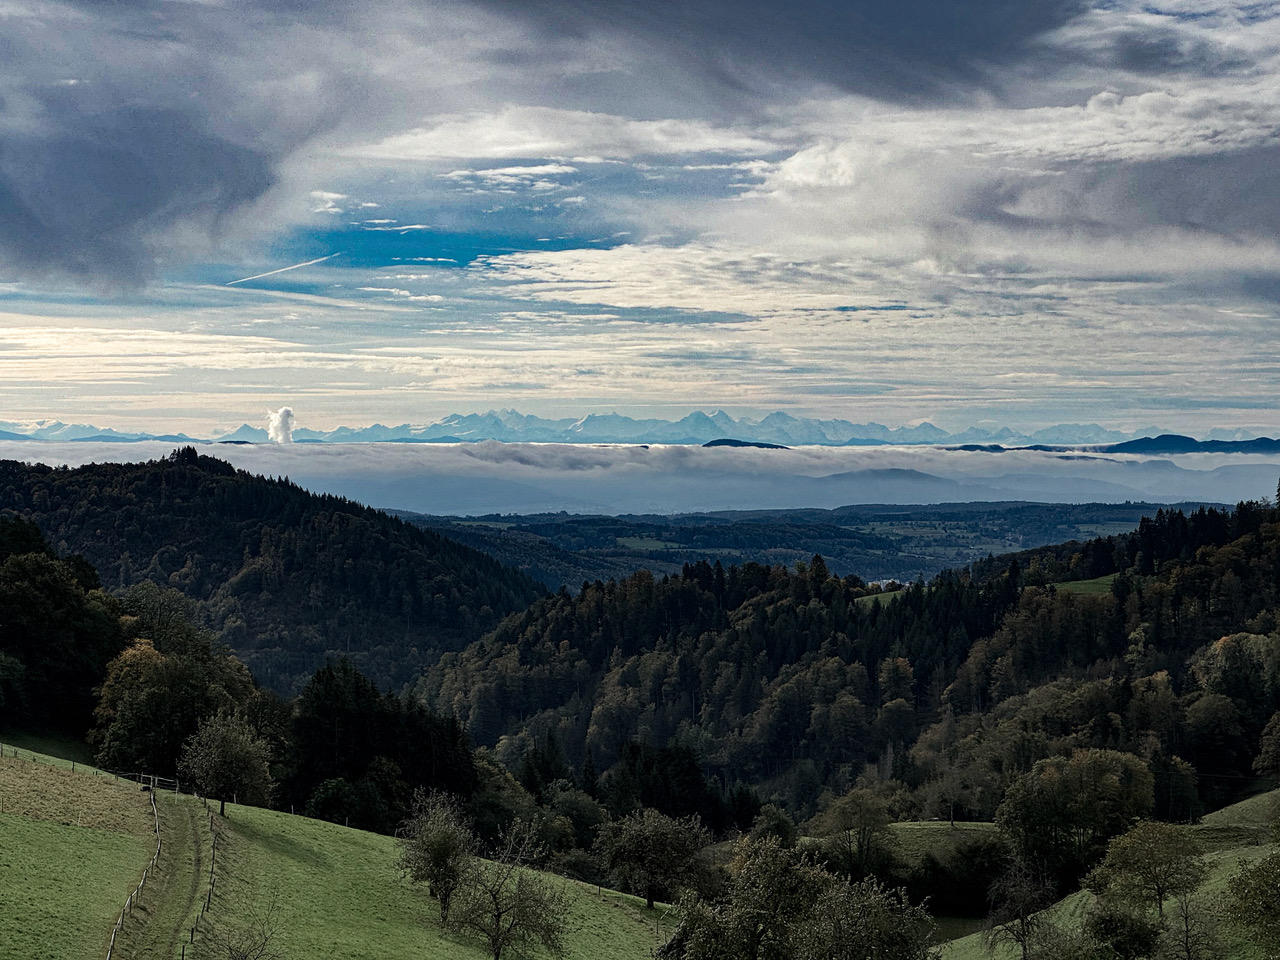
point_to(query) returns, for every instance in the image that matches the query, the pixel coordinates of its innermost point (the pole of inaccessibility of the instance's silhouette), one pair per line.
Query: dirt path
(161, 923)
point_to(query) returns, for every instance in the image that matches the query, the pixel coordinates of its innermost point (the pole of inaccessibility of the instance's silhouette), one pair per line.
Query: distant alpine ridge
(782, 429)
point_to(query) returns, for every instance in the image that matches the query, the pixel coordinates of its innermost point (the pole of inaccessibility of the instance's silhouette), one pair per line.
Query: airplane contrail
(270, 273)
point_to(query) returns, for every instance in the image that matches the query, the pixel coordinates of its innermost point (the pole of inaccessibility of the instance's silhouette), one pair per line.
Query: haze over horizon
(1027, 214)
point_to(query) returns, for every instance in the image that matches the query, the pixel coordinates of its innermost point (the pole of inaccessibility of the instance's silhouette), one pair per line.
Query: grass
(72, 847)
(912, 840)
(52, 747)
(337, 895)
(63, 887)
(1242, 824)
(884, 597)
(1231, 836)
(176, 887)
(1096, 586)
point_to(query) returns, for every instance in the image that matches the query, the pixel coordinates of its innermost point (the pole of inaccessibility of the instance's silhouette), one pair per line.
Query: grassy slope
(337, 896)
(1234, 834)
(175, 890)
(72, 847)
(336, 891)
(1100, 585)
(914, 839)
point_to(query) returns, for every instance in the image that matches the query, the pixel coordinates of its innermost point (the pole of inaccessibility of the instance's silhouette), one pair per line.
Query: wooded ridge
(284, 576)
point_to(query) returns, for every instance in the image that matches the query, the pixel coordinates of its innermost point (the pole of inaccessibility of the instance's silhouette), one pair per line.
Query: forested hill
(285, 576)
(796, 682)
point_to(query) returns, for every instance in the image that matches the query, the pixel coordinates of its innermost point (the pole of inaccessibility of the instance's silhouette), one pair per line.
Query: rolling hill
(285, 576)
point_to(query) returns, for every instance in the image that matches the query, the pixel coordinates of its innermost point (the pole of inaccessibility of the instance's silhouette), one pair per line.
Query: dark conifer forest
(283, 576)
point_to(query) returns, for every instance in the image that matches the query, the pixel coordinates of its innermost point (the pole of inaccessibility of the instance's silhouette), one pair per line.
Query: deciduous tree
(781, 906)
(511, 907)
(652, 853)
(437, 846)
(856, 828)
(772, 888)
(865, 921)
(1059, 816)
(1017, 900)
(1149, 864)
(1252, 901)
(225, 758)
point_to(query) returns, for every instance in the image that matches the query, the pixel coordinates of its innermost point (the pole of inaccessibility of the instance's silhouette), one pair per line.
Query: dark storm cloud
(84, 201)
(1233, 194)
(131, 132)
(897, 50)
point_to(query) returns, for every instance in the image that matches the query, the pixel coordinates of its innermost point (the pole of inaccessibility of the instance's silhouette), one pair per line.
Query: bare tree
(1016, 901)
(512, 907)
(254, 940)
(1192, 934)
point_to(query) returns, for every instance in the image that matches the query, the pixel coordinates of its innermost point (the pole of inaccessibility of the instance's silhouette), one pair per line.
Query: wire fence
(207, 903)
(133, 897)
(152, 783)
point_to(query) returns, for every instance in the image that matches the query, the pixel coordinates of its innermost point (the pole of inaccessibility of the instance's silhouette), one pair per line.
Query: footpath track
(162, 920)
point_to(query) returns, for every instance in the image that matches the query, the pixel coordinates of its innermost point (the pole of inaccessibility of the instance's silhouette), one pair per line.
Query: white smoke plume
(280, 425)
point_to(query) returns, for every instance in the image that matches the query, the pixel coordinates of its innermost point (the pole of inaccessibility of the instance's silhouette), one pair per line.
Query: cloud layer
(1028, 210)
(491, 477)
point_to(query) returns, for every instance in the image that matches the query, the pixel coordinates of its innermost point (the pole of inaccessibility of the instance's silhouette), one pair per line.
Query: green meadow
(73, 846)
(1230, 836)
(1095, 586)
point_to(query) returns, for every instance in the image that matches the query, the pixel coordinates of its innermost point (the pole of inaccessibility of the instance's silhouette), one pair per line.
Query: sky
(1020, 213)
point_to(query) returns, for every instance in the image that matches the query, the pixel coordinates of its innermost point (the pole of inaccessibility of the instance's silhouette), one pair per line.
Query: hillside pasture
(72, 847)
(335, 893)
(1231, 836)
(1093, 587)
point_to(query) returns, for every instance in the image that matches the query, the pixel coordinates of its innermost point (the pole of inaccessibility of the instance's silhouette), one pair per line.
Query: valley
(905, 747)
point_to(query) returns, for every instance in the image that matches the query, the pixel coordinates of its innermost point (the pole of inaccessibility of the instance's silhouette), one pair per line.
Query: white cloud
(324, 201)
(533, 131)
(280, 425)
(511, 174)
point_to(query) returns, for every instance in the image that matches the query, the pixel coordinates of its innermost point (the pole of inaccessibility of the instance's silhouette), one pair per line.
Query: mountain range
(510, 426)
